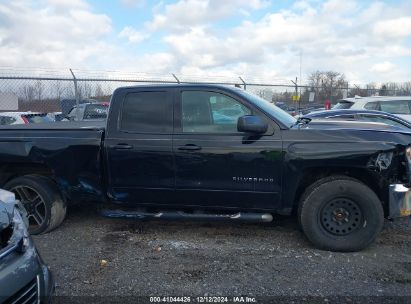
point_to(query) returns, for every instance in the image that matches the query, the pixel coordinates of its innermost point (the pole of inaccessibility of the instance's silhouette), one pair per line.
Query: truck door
(139, 146)
(217, 166)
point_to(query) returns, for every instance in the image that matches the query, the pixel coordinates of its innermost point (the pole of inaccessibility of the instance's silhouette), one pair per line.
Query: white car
(398, 105)
(16, 118)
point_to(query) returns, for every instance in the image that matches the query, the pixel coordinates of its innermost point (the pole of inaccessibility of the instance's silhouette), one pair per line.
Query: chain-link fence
(55, 95)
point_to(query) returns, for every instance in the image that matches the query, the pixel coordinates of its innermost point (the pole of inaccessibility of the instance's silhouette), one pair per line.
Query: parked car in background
(24, 278)
(89, 111)
(282, 105)
(309, 109)
(291, 111)
(399, 105)
(16, 118)
(362, 115)
(67, 104)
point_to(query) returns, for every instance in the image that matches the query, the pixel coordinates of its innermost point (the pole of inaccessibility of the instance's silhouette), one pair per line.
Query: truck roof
(184, 85)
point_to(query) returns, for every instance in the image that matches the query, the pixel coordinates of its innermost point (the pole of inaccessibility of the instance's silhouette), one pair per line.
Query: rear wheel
(340, 214)
(41, 200)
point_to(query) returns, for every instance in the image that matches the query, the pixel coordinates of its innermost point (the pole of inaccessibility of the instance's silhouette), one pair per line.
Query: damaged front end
(24, 278)
(400, 201)
(400, 194)
(13, 233)
(394, 169)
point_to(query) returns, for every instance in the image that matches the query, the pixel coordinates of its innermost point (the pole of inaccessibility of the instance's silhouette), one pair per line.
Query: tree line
(333, 85)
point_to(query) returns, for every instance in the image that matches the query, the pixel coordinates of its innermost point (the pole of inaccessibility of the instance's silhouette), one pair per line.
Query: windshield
(343, 104)
(270, 108)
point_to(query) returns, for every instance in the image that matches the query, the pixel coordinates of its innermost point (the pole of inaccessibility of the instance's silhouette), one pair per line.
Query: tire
(42, 201)
(340, 214)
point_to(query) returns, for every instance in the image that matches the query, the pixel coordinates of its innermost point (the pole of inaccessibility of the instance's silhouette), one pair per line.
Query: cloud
(383, 67)
(200, 48)
(349, 36)
(367, 41)
(132, 35)
(50, 35)
(393, 28)
(133, 3)
(193, 13)
(61, 5)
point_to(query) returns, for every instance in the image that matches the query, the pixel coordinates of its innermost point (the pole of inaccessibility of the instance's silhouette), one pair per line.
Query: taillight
(26, 121)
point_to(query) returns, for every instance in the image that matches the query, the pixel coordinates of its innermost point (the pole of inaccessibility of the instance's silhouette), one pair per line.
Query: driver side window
(210, 112)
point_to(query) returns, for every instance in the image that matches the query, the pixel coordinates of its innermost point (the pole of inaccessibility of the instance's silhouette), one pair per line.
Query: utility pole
(358, 90)
(77, 95)
(176, 78)
(242, 80)
(296, 92)
(301, 63)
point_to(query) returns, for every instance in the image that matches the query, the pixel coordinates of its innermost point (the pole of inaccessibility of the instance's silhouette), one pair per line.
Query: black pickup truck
(213, 153)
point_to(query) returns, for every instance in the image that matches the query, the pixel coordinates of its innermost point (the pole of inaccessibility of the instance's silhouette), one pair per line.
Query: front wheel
(340, 214)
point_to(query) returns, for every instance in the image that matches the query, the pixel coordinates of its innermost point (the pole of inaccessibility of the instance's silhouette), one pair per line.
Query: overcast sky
(366, 40)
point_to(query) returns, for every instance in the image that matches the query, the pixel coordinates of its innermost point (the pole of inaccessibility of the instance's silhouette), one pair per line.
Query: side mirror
(252, 124)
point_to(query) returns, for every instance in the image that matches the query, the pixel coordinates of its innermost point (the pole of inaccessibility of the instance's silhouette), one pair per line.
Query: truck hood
(331, 124)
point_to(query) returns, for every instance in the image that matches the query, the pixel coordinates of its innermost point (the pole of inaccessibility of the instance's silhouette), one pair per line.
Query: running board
(180, 215)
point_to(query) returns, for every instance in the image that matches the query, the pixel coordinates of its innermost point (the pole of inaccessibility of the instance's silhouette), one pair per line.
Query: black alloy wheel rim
(341, 216)
(34, 205)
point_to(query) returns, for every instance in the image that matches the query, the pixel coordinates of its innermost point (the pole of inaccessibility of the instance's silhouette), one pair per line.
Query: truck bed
(68, 152)
(61, 125)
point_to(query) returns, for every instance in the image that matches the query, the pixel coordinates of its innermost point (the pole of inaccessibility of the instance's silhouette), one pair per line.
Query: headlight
(20, 234)
(408, 154)
(408, 157)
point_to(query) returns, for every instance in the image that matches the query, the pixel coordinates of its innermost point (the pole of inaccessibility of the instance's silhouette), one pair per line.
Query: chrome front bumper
(400, 201)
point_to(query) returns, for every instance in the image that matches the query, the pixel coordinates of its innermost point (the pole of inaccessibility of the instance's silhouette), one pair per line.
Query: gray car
(88, 111)
(24, 278)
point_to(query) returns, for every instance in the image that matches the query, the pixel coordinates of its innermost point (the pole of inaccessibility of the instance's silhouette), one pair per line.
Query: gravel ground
(91, 255)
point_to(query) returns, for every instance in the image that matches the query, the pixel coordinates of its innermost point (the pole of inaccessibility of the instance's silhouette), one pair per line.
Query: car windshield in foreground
(342, 104)
(270, 109)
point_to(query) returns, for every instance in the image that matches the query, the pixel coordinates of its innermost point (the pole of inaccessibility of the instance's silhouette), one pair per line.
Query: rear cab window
(147, 112)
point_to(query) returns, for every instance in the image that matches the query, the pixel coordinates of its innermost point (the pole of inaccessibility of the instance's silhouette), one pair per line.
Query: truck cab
(172, 145)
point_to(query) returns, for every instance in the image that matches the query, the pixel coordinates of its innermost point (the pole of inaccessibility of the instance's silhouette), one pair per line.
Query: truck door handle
(189, 147)
(121, 147)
